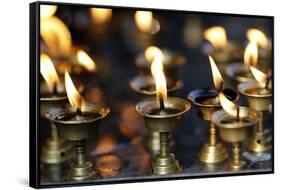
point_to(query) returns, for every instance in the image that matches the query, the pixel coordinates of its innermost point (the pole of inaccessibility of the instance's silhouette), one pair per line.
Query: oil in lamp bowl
(77, 128)
(163, 122)
(172, 62)
(258, 98)
(207, 103)
(54, 150)
(155, 121)
(236, 132)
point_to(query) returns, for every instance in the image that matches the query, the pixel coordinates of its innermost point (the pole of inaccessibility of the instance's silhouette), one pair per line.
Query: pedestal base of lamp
(163, 165)
(260, 142)
(233, 165)
(80, 172)
(211, 154)
(56, 151)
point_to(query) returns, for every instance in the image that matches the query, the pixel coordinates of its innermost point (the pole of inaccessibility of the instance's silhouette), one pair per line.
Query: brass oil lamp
(162, 115)
(222, 51)
(52, 92)
(259, 97)
(207, 102)
(235, 126)
(144, 84)
(76, 123)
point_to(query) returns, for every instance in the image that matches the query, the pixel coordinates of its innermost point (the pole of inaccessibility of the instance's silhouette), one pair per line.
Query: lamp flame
(157, 71)
(85, 60)
(144, 20)
(217, 78)
(54, 32)
(261, 77)
(48, 71)
(47, 11)
(75, 99)
(101, 15)
(216, 35)
(228, 106)
(151, 52)
(251, 54)
(257, 36)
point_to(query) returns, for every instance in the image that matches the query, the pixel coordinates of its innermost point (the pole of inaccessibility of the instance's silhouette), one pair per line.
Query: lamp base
(211, 154)
(80, 172)
(233, 165)
(260, 142)
(55, 151)
(163, 165)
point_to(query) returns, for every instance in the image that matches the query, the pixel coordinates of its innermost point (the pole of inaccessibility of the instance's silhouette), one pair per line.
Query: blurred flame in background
(85, 60)
(54, 32)
(251, 54)
(216, 35)
(258, 37)
(101, 15)
(48, 71)
(151, 52)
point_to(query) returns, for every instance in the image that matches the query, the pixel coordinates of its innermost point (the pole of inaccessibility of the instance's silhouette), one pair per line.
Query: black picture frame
(34, 107)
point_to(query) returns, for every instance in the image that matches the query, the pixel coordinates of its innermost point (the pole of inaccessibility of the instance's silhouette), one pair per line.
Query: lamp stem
(54, 132)
(260, 124)
(164, 144)
(213, 135)
(236, 153)
(80, 152)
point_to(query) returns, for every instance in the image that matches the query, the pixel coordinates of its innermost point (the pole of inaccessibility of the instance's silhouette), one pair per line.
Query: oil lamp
(222, 51)
(258, 95)
(77, 122)
(235, 125)
(145, 86)
(52, 92)
(207, 102)
(172, 61)
(162, 114)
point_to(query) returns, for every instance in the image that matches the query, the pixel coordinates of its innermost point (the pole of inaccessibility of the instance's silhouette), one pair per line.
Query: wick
(55, 92)
(238, 114)
(267, 83)
(78, 111)
(161, 101)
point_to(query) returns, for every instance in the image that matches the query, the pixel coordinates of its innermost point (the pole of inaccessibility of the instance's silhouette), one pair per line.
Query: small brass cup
(164, 162)
(232, 131)
(206, 103)
(261, 140)
(78, 131)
